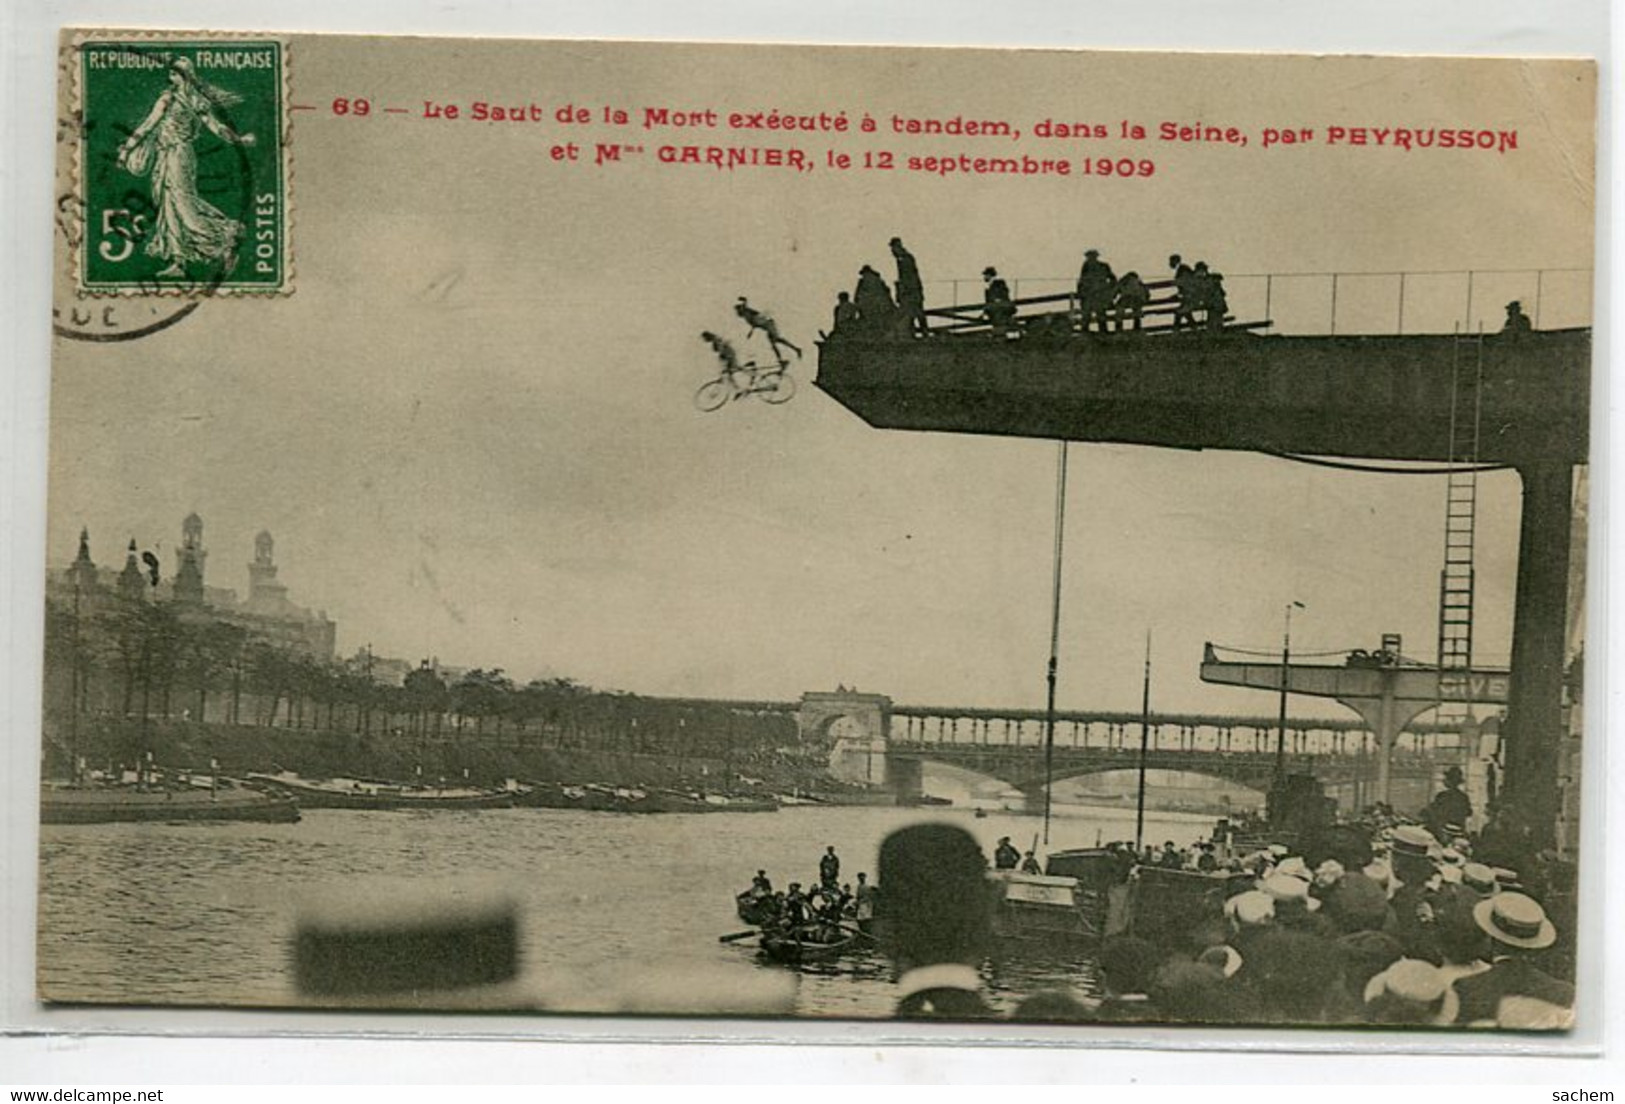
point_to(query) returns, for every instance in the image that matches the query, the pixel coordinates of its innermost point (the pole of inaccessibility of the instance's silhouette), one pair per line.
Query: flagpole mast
(1054, 632)
(1145, 728)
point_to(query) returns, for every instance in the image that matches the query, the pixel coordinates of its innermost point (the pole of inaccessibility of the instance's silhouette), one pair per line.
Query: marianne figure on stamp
(187, 227)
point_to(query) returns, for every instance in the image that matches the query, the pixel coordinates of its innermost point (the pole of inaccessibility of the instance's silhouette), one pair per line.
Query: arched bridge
(877, 742)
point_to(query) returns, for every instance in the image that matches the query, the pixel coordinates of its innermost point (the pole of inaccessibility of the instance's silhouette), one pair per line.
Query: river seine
(203, 914)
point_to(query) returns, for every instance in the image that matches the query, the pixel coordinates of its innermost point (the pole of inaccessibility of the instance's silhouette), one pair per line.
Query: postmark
(181, 182)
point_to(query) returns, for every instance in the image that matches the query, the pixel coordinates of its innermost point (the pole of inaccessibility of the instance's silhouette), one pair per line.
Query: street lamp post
(1286, 670)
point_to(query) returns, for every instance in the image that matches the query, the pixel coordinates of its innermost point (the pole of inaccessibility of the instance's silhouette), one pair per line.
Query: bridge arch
(856, 727)
(1251, 775)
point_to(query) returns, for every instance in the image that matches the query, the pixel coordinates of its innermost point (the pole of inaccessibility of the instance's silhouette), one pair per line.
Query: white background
(841, 1052)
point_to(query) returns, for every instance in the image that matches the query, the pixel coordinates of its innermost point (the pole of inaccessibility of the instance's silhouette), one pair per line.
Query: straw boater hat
(1516, 920)
(1412, 840)
(1523, 1013)
(1409, 989)
(1480, 879)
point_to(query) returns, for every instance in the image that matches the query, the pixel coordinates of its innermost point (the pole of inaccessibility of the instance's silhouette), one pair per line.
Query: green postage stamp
(182, 161)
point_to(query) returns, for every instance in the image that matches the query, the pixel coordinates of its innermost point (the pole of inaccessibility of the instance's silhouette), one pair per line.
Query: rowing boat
(363, 793)
(809, 943)
(130, 804)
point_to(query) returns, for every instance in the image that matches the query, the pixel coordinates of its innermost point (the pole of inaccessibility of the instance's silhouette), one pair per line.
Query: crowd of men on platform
(1385, 921)
(1103, 301)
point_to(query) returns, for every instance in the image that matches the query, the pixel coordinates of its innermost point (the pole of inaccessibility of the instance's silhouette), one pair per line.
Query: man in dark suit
(1518, 927)
(910, 289)
(998, 308)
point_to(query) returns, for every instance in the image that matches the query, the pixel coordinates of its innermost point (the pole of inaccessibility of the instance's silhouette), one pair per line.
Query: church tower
(264, 592)
(189, 574)
(82, 575)
(132, 584)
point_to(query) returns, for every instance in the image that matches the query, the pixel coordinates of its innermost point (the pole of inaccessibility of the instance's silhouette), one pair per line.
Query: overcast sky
(470, 426)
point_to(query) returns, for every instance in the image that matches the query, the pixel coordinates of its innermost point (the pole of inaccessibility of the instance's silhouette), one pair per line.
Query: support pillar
(1534, 724)
(907, 779)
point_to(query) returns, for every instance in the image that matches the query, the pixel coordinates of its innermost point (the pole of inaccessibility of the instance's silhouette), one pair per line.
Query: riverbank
(483, 760)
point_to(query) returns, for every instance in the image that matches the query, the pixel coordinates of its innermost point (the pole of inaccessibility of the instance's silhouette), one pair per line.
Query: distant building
(267, 613)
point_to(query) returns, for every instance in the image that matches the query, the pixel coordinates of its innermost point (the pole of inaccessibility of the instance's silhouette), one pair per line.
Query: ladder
(1460, 516)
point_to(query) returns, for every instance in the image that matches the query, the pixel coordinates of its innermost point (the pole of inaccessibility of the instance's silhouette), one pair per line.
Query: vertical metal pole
(1467, 322)
(1054, 631)
(1540, 279)
(1269, 289)
(74, 689)
(1334, 303)
(1286, 668)
(1401, 327)
(1145, 729)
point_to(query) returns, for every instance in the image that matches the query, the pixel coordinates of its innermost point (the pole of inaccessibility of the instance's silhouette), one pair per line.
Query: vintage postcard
(788, 531)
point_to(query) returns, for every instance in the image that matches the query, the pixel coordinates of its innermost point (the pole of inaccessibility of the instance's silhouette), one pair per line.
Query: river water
(205, 914)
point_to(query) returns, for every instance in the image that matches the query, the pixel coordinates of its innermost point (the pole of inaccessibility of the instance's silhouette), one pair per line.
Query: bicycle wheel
(777, 388)
(712, 396)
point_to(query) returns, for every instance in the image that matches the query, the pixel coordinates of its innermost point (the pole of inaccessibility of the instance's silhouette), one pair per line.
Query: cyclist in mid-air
(771, 383)
(725, 353)
(757, 320)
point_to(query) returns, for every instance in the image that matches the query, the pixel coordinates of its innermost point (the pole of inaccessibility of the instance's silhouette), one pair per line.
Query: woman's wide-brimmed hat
(1251, 909)
(1286, 890)
(1515, 919)
(1295, 867)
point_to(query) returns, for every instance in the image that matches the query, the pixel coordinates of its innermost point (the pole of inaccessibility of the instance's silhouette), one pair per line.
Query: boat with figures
(378, 794)
(755, 908)
(1082, 897)
(810, 943)
(201, 800)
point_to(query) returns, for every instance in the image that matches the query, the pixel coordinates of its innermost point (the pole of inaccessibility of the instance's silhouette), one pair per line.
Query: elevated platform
(1375, 397)
(1010, 372)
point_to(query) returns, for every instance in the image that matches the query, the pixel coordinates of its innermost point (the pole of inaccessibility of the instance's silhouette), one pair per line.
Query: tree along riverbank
(239, 749)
